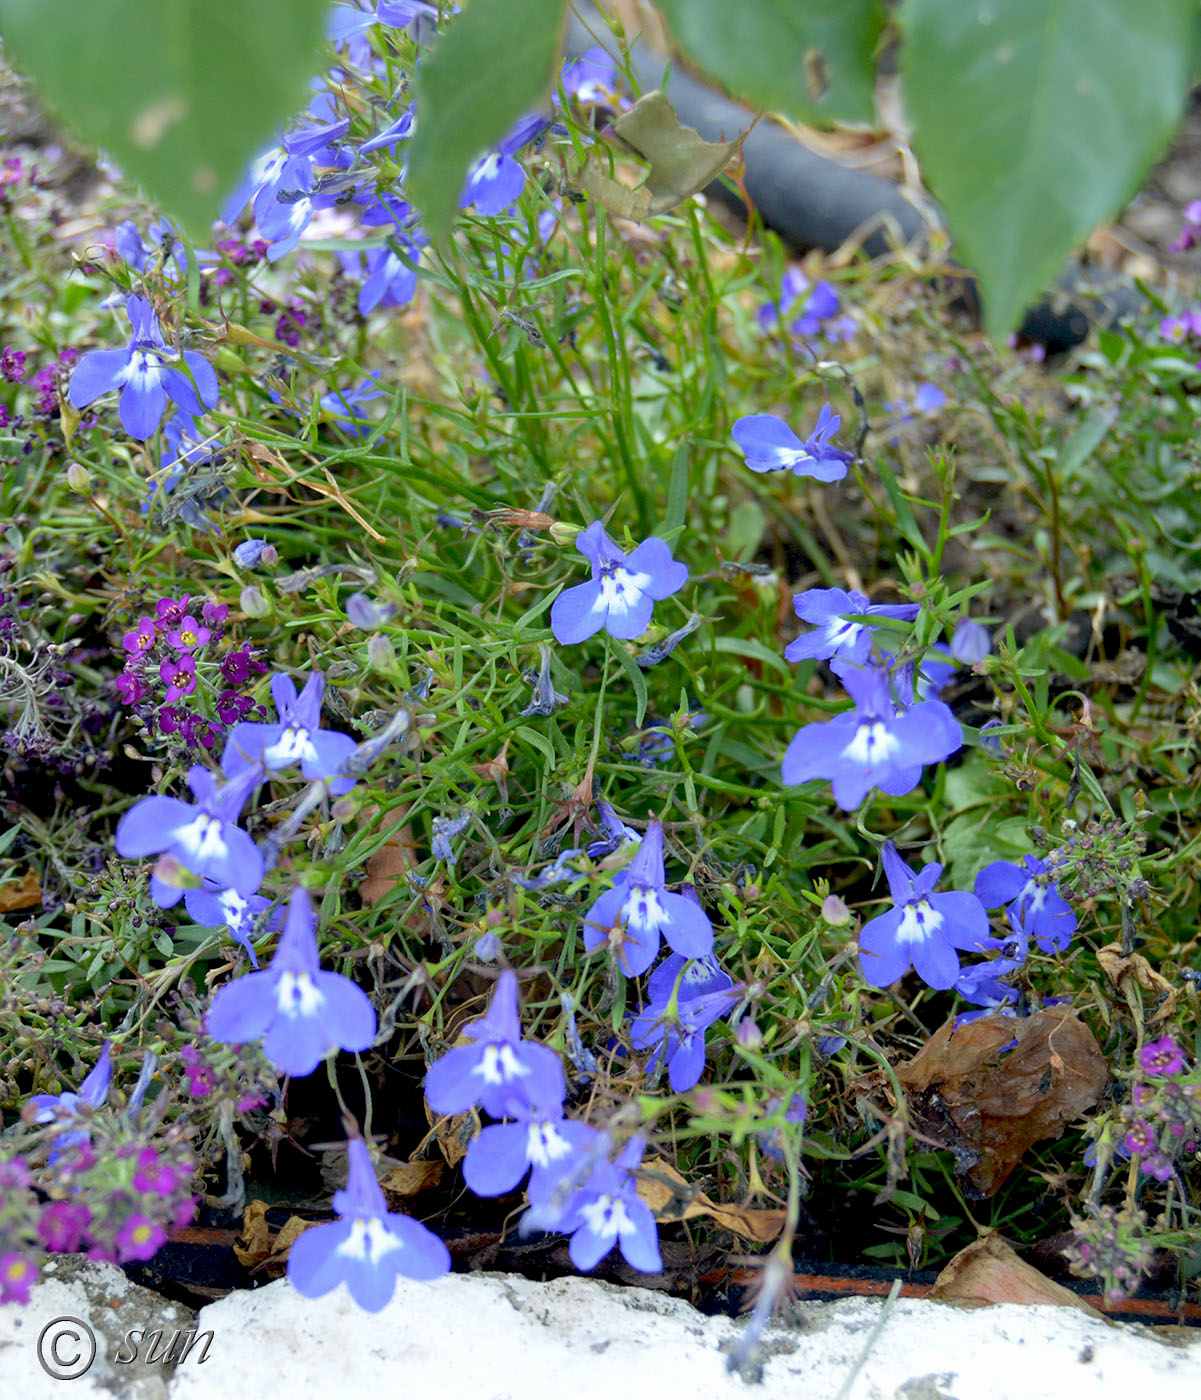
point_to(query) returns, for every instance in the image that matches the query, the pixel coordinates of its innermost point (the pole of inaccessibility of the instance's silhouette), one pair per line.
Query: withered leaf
(681, 162)
(990, 1271)
(671, 1198)
(258, 1249)
(22, 893)
(1121, 969)
(988, 1104)
(407, 1178)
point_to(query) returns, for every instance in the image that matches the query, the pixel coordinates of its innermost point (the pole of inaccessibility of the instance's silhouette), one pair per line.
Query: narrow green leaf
(814, 60)
(181, 93)
(636, 678)
(1035, 120)
(677, 490)
(494, 63)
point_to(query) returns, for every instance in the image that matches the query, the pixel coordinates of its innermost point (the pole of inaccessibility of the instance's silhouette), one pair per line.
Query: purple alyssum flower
(203, 837)
(770, 445)
(368, 1247)
(836, 632)
(1035, 905)
(300, 1013)
(635, 912)
(872, 745)
(145, 374)
(922, 930)
(1161, 1058)
(622, 592)
(297, 737)
(498, 1068)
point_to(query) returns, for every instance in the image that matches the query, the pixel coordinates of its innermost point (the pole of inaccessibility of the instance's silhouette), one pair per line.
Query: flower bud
(254, 603)
(78, 479)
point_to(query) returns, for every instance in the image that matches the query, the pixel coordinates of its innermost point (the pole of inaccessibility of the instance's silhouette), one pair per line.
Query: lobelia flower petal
(935, 962)
(633, 622)
(685, 1068)
(1000, 883)
(577, 613)
(667, 575)
(605, 912)
(347, 1015)
(150, 825)
(98, 372)
(687, 928)
(141, 408)
(245, 744)
(898, 780)
(813, 747)
(315, 1265)
(451, 1082)
(897, 873)
(242, 1010)
(965, 921)
(423, 1256)
(204, 378)
(769, 443)
(882, 959)
(640, 1244)
(296, 1046)
(497, 1159)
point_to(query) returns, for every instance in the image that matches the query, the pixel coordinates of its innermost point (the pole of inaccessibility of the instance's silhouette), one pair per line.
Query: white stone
(100, 1296)
(496, 1337)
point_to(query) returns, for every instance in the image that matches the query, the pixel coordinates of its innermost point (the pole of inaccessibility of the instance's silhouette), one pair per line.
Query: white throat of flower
(620, 590)
(298, 995)
(606, 1217)
(369, 1240)
(499, 1065)
(293, 746)
(202, 838)
(546, 1144)
(919, 921)
(642, 911)
(872, 744)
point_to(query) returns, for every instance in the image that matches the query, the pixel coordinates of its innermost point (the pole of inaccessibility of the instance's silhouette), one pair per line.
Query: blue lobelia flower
(368, 1246)
(92, 1092)
(836, 633)
(770, 445)
(203, 837)
(493, 183)
(300, 1013)
(498, 1068)
(297, 737)
(605, 1210)
(622, 592)
(1036, 908)
(145, 375)
(981, 984)
(923, 929)
(872, 745)
(632, 915)
(540, 1139)
(685, 999)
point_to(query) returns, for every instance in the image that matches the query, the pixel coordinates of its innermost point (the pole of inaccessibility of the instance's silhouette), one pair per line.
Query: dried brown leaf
(671, 1198)
(990, 1271)
(1121, 969)
(407, 1178)
(254, 1245)
(23, 893)
(989, 1103)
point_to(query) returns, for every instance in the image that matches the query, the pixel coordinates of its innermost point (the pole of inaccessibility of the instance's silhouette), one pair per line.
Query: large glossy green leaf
(495, 62)
(181, 93)
(1034, 120)
(813, 59)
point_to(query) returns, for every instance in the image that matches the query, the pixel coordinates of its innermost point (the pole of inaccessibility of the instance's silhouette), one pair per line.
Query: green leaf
(1035, 120)
(814, 60)
(494, 63)
(182, 93)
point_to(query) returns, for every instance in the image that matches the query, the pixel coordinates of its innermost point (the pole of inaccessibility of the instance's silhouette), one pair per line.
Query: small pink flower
(171, 611)
(18, 1274)
(189, 635)
(142, 639)
(153, 1175)
(140, 1238)
(130, 688)
(1161, 1057)
(179, 675)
